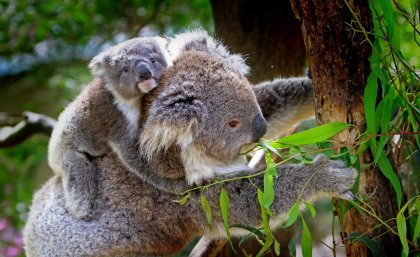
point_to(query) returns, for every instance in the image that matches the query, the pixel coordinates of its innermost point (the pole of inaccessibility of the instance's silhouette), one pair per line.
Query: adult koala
(201, 114)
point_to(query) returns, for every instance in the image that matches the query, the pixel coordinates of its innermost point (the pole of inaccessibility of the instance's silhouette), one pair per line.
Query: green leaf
(386, 169)
(402, 232)
(205, 205)
(224, 208)
(268, 196)
(385, 120)
(311, 209)
(417, 227)
(389, 17)
(373, 245)
(252, 230)
(277, 248)
(264, 144)
(293, 214)
(306, 241)
(370, 94)
(271, 166)
(263, 210)
(268, 242)
(183, 200)
(311, 136)
(292, 245)
(362, 147)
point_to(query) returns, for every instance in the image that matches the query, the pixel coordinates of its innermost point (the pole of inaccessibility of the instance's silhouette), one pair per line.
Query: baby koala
(104, 118)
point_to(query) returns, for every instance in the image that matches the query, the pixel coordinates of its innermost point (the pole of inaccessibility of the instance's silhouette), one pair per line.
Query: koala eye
(125, 69)
(153, 60)
(234, 123)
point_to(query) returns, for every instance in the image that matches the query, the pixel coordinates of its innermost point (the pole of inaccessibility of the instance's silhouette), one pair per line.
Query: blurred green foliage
(25, 23)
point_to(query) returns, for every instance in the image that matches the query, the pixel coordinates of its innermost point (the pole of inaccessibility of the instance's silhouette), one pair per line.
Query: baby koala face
(132, 67)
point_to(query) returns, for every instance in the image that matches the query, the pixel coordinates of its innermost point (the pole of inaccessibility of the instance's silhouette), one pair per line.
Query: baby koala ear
(162, 43)
(98, 64)
(199, 40)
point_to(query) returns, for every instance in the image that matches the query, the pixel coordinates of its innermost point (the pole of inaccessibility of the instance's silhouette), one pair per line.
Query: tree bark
(339, 61)
(266, 33)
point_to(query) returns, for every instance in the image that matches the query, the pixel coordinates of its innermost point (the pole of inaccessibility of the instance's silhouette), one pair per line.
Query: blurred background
(45, 47)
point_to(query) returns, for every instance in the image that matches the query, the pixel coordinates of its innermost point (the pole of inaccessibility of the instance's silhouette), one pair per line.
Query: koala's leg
(304, 181)
(285, 102)
(80, 183)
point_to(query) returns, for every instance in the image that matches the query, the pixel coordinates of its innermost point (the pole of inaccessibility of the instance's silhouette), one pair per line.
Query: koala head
(207, 108)
(132, 67)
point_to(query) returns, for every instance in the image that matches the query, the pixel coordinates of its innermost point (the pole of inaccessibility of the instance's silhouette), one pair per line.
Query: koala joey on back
(201, 114)
(104, 117)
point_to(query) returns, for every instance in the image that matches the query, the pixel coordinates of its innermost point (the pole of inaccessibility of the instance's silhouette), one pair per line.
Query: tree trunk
(339, 61)
(267, 34)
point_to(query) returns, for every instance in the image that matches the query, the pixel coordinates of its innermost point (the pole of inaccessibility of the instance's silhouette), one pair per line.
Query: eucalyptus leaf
(306, 241)
(293, 214)
(224, 208)
(205, 205)
(311, 136)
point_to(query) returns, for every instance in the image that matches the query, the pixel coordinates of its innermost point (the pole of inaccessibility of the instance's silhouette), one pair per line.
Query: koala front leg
(80, 183)
(294, 181)
(285, 102)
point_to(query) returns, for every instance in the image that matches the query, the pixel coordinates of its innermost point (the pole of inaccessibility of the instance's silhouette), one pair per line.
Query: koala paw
(338, 179)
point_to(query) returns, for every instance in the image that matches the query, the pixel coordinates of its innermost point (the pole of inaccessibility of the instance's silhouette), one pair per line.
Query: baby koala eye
(125, 69)
(153, 60)
(234, 123)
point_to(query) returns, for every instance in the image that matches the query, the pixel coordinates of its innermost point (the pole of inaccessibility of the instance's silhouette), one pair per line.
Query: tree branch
(31, 124)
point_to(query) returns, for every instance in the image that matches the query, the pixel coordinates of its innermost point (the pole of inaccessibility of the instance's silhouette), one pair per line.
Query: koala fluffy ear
(98, 64)
(163, 44)
(172, 119)
(199, 40)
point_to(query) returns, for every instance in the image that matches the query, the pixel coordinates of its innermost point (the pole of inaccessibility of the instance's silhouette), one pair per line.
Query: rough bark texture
(339, 61)
(266, 32)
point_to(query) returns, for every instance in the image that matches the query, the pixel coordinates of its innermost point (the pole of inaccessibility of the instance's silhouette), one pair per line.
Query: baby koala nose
(260, 127)
(144, 71)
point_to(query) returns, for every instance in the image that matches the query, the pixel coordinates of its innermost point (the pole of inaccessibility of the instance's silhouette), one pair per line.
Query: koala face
(132, 67)
(207, 108)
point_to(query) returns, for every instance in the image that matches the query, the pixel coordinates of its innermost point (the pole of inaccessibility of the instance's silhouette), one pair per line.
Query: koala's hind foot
(80, 189)
(337, 179)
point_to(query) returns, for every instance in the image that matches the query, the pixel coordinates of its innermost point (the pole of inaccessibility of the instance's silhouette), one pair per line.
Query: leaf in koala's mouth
(245, 149)
(146, 85)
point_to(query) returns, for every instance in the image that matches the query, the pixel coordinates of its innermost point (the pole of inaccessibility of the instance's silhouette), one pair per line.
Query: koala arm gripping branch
(285, 102)
(295, 182)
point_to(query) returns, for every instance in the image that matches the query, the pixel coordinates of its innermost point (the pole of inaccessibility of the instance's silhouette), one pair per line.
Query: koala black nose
(260, 127)
(144, 71)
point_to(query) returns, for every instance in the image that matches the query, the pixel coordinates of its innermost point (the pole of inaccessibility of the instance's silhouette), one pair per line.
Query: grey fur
(104, 117)
(190, 109)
